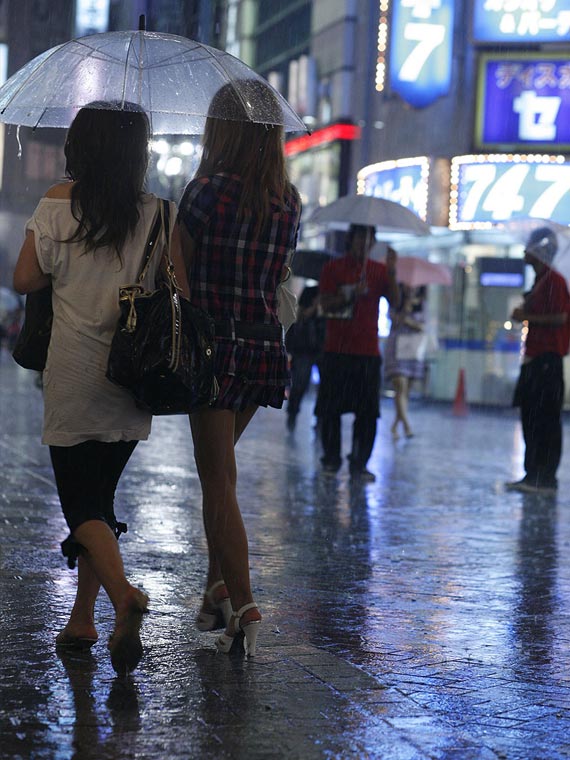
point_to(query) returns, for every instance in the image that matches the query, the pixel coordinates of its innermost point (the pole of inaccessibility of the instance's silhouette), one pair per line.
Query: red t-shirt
(549, 295)
(358, 335)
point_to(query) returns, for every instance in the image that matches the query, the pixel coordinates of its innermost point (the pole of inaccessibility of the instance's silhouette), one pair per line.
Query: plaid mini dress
(234, 277)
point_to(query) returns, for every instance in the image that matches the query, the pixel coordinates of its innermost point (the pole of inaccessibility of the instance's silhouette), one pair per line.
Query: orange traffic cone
(459, 404)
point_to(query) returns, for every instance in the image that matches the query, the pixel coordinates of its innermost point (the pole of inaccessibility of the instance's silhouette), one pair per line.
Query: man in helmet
(540, 389)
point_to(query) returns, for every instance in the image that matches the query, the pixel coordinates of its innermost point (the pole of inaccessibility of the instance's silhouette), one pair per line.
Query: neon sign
(421, 44)
(404, 181)
(521, 20)
(488, 189)
(524, 101)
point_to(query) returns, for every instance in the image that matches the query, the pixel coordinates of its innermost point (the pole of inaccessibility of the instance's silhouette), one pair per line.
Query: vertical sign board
(492, 189)
(91, 17)
(523, 102)
(521, 21)
(402, 182)
(421, 46)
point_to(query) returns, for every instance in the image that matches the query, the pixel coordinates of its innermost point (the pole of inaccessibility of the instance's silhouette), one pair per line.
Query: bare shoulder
(61, 190)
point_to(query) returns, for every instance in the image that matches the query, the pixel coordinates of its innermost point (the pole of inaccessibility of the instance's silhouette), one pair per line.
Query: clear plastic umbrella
(172, 78)
(383, 214)
(521, 229)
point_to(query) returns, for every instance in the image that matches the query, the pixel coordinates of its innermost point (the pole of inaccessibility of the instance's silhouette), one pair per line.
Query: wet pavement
(426, 615)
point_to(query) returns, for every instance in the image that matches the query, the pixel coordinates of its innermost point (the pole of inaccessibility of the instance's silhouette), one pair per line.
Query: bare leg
(242, 420)
(214, 432)
(106, 564)
(81, 623)
(402, 388)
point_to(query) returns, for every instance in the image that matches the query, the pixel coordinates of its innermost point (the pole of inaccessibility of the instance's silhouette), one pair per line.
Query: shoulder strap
(153, 236)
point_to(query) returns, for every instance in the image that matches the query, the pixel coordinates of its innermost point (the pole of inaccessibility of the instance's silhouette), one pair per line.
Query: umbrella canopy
(383, 214)
(172, 78)
(521, 229)
(414, 271)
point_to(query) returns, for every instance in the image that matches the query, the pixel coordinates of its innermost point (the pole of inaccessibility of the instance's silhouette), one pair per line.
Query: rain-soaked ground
(423, 616)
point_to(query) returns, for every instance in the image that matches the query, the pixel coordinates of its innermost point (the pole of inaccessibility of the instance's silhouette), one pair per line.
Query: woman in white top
(87, 238)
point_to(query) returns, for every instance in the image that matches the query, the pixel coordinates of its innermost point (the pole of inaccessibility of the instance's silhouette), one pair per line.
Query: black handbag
(31, 347)
(163, 348)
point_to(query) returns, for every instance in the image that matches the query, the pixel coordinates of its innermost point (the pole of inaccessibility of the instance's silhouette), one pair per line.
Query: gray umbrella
(172, 78)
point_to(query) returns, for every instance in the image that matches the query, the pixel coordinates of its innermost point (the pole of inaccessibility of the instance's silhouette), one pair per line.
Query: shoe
(65, 640)
(246, 632)
(221, 610)
(526, 486)
(363, 475)
(125, 646)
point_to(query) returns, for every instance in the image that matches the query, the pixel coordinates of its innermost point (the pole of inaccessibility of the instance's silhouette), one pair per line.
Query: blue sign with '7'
(421, 46)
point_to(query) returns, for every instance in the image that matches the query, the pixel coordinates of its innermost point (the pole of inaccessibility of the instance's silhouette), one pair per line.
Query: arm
(393, 294)
(543, 320)
(28, 275)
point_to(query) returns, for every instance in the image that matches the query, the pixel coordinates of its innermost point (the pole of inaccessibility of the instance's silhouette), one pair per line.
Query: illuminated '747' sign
(491, 189)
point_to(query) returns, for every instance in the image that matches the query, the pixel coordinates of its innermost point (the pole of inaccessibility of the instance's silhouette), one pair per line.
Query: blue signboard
(498, 191)
(402, 184)
(521, 21)
(421, 43)
(524, 101)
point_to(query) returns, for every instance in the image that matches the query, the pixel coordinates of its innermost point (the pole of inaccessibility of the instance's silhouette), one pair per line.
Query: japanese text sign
(521, 20)
(524, 102)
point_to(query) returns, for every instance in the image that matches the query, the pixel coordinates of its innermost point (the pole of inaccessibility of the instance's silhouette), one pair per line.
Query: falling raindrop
(19, 143)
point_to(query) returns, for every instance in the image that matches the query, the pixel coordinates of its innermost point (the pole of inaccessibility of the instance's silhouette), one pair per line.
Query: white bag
(286, 304)
(411, 346)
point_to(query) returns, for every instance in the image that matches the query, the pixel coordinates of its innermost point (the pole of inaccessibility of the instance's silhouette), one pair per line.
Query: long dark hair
(233, 143)
(106, 155)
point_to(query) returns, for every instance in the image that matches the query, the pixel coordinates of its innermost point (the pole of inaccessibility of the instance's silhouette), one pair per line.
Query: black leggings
(86, 476)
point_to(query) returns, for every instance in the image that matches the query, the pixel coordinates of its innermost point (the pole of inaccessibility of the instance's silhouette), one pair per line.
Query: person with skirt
(238, 220)
(87, 238)
(403, 355)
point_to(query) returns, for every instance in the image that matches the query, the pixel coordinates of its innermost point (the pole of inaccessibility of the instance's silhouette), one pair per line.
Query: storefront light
(186, 148)
(160, 146)
(382, 45)
(173, 166)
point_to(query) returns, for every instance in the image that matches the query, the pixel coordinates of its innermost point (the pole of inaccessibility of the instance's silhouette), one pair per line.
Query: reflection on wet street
(426, 615)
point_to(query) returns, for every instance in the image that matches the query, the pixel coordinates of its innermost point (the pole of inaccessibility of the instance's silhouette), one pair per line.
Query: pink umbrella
(414, 272)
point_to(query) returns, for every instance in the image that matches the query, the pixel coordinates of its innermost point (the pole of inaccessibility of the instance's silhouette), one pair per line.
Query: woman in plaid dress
(238, 220)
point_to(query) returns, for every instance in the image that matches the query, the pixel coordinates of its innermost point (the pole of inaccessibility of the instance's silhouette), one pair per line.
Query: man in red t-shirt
(540, 389)
(350, 289)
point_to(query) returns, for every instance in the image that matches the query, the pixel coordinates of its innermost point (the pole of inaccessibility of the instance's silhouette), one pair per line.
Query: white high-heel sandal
(220, 616)
(246, 631)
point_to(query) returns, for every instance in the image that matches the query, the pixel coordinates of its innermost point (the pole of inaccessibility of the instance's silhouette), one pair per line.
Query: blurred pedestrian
(87, 237)
(304, 341)
(239, 218)
(540, 388)
(351, 288)
(404, 352)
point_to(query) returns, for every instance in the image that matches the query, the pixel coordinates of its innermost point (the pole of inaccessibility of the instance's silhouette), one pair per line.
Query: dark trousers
(363, 437)
(349, 383)
(86, 476)
(540, 395)
(301, 368)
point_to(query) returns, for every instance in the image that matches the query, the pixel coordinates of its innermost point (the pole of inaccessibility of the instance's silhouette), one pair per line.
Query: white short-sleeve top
(80, 404)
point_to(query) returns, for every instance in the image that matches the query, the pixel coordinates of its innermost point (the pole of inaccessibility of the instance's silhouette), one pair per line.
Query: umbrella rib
(33, 74)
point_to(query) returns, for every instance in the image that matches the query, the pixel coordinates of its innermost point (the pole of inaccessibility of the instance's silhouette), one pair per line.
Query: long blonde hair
(234, 144)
